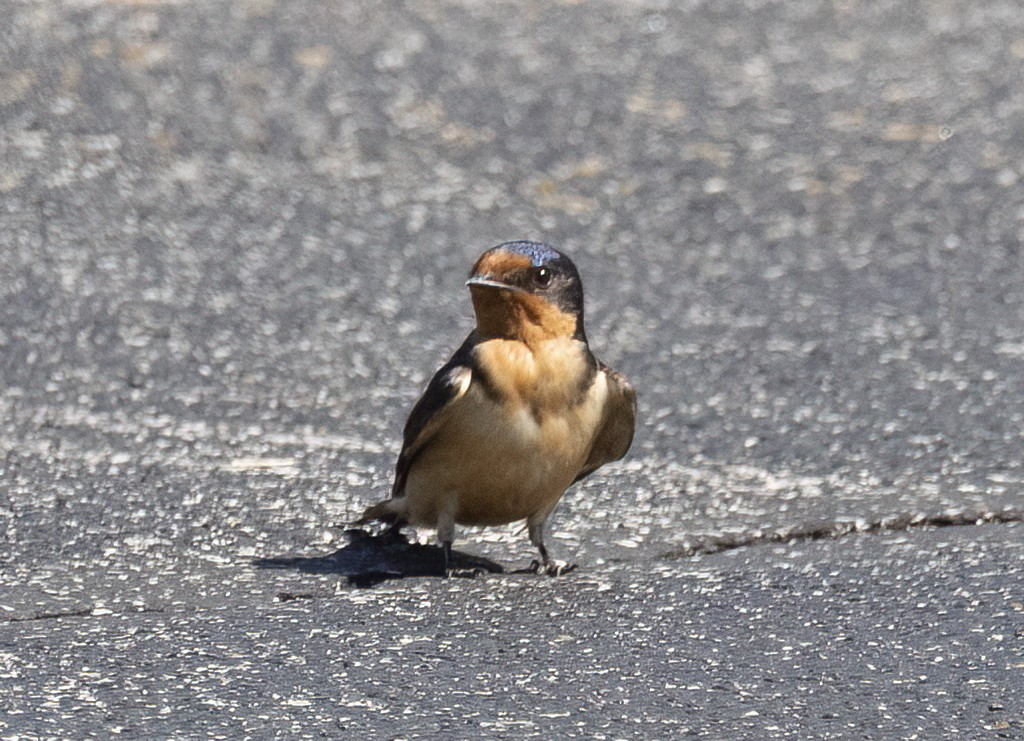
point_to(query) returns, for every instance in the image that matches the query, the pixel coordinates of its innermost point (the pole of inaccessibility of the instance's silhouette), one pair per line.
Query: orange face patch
(513, 314)
(500, 263)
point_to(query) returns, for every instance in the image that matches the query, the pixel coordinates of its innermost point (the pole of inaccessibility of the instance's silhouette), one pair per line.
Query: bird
(520, 412)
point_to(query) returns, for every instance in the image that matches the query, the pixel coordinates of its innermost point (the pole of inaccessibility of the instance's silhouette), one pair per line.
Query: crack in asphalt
(81, 612)
(78, 612)
(833, 530)
(704, 545)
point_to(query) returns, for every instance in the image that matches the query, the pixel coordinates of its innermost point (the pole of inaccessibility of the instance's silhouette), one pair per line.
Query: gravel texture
(233, 237)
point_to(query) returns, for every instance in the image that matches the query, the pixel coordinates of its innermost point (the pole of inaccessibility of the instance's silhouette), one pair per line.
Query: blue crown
(538, 252)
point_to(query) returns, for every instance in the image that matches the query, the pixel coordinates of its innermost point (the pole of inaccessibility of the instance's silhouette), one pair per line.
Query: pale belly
(489, 465)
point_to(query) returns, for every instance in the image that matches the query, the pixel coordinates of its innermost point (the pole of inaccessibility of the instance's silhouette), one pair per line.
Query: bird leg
(446, 534)
(546, 565)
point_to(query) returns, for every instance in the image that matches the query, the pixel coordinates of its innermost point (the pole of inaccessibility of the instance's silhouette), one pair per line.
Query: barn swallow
(521, 411)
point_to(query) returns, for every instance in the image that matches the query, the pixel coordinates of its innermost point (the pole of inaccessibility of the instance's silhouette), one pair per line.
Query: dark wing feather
(429, 413)
(616, 433)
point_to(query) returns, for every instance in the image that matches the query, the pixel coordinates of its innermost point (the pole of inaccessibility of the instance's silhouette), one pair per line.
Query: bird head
(527, 291)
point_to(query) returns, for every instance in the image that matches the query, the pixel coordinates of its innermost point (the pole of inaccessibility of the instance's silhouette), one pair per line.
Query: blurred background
(235, 235)
(233, 240)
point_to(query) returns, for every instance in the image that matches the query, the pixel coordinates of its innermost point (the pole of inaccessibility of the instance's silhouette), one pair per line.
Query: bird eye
(542, 277)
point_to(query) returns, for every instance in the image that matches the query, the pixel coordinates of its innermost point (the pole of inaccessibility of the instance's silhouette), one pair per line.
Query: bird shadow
(370, 559)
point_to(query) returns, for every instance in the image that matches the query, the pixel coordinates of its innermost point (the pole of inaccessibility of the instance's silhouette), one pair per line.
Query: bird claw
(551, 568)
(463, 573)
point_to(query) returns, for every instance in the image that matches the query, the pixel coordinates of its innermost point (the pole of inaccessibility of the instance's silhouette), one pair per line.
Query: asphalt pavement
(233, 240)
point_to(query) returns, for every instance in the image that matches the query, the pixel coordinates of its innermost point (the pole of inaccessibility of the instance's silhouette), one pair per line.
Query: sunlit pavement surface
(233, 239)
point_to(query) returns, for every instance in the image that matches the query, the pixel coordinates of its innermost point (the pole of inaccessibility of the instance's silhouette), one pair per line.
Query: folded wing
(429, 413)
(616, 432)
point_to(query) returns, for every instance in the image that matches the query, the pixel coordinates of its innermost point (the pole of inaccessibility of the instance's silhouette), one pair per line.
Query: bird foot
(465, 566)
(551, 568)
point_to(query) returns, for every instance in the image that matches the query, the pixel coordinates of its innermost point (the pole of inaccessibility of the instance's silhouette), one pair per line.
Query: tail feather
(382, 512)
